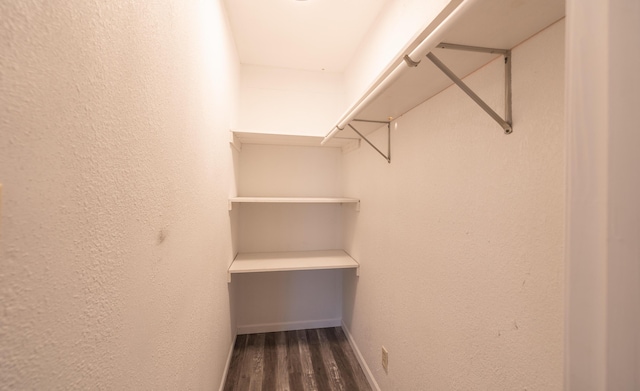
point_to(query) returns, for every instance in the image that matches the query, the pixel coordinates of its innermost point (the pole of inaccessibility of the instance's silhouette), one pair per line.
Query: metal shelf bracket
(388, 154)
(505, 123)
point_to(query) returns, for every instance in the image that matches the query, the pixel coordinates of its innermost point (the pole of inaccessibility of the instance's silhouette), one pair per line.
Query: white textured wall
(289, 171)
(399, 22)
(115, 169)
(289, 300)
(460, 238)
(289, 101)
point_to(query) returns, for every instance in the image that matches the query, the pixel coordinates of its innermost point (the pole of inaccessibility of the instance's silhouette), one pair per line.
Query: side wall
(460, 238)
(116, 168)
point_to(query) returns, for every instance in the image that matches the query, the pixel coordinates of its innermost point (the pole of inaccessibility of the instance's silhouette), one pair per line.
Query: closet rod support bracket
(505, 123)
(386, 156)
(410, 62)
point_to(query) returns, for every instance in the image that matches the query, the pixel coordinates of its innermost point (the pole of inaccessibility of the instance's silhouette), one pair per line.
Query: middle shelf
(294, 200)
(292, 260)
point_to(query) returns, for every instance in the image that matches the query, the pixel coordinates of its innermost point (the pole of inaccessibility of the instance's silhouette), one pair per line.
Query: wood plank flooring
(301, 360)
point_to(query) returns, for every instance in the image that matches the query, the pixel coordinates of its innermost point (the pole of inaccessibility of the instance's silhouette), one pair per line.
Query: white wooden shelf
(289, 261)
(241, 137)
(295, 200)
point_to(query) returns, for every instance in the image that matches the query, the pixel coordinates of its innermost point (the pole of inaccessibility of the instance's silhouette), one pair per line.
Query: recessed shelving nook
(289, 233)
(288, 225)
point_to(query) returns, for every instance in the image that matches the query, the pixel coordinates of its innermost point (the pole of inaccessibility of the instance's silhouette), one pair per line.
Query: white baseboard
(363, 364)
(226, 367)
(286, 326)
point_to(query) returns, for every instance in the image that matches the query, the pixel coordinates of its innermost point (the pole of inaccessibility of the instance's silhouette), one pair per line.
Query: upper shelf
(247, 137)
(501, 24)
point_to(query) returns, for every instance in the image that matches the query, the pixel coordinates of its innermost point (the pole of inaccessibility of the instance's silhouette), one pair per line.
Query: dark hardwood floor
(302, 360)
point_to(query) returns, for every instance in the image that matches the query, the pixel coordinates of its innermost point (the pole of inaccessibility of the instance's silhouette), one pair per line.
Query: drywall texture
(289, 300)
(289, 101)
(289, 171)
(399, 22)
(280, 301)
(116, 168)
(460, 238)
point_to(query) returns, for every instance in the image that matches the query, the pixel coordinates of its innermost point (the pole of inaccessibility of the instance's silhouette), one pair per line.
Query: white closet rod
(410, 60)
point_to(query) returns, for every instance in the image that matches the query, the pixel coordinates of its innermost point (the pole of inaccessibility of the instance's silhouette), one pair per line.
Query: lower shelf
(294, 260)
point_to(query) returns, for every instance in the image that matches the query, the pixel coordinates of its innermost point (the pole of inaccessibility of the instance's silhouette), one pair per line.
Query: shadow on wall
(350, 279)
(233, 227)
(349, 291)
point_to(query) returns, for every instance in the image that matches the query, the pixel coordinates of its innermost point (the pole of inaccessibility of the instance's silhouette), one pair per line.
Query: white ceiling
(311, 35)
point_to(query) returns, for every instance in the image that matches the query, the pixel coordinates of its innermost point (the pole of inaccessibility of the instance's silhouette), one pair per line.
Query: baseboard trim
(286, 326)
(226, 367)
(367, 371)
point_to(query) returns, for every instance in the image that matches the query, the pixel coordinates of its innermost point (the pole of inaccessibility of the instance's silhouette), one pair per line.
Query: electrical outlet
(385, 359)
